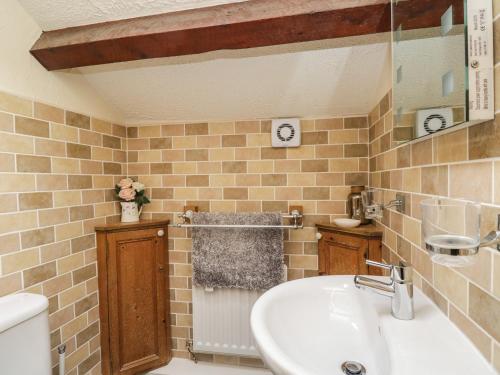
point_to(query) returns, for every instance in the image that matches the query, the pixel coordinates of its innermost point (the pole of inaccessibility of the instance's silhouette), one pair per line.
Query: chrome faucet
(400, 288)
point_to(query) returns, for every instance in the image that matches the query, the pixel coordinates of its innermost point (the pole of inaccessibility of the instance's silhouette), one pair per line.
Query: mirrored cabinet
(442, 65)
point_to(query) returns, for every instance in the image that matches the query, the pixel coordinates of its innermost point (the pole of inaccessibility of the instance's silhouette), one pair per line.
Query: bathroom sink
(347, 223)
(313, 326)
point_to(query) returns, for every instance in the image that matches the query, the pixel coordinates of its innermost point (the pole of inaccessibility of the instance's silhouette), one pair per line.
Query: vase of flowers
(132, 199)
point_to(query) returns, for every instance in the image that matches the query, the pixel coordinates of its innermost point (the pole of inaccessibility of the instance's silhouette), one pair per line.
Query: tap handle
(403, 273)
(379, 265)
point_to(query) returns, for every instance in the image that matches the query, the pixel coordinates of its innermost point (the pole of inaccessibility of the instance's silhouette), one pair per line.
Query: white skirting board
(221, 321)
(179, 366)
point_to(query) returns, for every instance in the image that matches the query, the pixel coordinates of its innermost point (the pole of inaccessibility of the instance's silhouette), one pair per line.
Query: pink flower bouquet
(128, 190)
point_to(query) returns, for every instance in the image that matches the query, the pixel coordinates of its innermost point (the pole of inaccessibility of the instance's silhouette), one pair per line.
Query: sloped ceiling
(259, 83)
(317, 79)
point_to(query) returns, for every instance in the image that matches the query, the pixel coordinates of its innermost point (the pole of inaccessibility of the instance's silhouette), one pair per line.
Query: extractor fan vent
(286, 132)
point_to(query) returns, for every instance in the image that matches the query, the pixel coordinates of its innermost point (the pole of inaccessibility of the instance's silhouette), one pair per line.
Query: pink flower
(125, 183)
(127, 194)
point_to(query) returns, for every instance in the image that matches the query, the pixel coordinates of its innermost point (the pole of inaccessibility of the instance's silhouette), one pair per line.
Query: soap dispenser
(355, 208)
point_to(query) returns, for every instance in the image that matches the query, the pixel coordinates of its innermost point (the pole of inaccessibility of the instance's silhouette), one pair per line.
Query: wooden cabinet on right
(344, 251)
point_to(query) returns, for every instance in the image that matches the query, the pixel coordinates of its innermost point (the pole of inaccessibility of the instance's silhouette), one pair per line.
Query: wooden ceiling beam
(422, 14)
(254, 23)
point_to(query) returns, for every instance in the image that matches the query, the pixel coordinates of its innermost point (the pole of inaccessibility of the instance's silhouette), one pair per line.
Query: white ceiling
(259, 83)
(317, 79)
(58, 14)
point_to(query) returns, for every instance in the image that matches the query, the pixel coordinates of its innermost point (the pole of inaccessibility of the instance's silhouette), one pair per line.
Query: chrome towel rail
(187, 216)
(236, 226)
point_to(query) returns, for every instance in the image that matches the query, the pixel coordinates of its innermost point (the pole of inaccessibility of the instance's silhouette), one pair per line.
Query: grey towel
(234, 257)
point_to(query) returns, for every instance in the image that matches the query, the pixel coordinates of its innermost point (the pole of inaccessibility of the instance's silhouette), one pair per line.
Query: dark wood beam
(254, 23)
(422, 14)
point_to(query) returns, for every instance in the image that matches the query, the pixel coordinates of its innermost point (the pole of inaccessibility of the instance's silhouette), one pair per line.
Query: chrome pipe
(61, 349)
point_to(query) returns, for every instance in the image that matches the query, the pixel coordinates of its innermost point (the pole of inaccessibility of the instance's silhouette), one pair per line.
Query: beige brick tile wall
(232, 167)
(460, 165)
(57, 170)
(57, 173)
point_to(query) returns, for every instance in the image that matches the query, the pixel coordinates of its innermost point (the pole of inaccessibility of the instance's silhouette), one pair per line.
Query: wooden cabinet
(344, 251)
(133, 296)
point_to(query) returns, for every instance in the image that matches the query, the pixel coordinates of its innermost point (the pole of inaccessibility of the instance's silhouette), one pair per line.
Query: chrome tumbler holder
(451, 231)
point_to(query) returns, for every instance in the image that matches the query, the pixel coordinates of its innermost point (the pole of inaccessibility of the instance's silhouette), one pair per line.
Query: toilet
(24, 335)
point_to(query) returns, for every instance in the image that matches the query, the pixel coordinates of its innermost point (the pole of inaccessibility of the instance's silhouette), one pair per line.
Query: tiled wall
(463, 164)
(231, 167)
(57, 170)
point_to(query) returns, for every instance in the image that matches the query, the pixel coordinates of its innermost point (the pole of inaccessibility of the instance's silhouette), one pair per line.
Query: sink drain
(353, 368)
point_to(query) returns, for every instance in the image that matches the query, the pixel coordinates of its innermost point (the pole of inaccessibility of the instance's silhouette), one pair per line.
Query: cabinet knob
(161, 233)
(319, 236)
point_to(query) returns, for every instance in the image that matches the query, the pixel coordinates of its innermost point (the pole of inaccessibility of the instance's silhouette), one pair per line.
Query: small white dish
(347, 223)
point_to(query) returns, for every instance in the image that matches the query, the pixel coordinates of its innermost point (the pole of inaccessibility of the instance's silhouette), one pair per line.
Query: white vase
(130, 212)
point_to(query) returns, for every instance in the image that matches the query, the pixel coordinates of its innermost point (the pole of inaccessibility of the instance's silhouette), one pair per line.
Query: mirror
(431, 65)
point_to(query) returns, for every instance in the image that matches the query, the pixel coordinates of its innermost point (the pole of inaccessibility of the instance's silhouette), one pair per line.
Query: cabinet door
(324, 259)
(344, 260)
(342, 255)
(375, 253)
(138, 312)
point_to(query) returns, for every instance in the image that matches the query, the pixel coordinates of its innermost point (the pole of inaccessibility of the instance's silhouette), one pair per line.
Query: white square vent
(432, 120)
(286, 132)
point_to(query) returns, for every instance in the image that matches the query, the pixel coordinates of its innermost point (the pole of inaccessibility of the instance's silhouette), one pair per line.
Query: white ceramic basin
(347, 223)
(312, 326)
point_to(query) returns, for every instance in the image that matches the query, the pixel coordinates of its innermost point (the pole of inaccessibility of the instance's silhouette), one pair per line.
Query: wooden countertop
(127, 226)
(368, 230)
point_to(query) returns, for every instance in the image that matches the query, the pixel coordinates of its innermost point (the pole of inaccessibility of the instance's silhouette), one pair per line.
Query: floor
(179, 366)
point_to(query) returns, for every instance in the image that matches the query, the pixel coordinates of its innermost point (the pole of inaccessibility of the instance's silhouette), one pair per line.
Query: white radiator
(221, 320)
